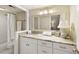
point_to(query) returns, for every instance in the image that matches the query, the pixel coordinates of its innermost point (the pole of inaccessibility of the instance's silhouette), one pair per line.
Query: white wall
(75, 20)
(20, 16)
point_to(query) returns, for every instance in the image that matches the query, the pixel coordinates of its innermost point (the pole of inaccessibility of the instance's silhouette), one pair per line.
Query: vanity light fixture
(51, 11)
(45, 12)
(41, 13)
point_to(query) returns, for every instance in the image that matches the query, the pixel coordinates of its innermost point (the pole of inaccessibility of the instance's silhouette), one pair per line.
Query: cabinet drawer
(57, 51)
(27, 40)
(44, 43)
(44, 50)
(63, 47)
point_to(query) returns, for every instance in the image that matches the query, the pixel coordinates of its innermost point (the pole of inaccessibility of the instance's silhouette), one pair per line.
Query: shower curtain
(3, 28)
(7, 30)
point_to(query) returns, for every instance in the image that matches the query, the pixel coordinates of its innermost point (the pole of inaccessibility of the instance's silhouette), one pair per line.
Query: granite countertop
(48, 38)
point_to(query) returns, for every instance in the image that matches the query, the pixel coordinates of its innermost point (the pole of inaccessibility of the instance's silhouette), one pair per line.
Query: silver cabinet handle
(27, 44)
(63, 47)
(44, 51)
(44, 43)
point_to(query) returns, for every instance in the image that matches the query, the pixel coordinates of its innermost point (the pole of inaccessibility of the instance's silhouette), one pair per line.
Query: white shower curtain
(7, 29)
(3, 28)
(11, 27)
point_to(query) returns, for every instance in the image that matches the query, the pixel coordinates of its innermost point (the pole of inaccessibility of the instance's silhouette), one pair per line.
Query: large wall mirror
(46, 22)
(50, 17)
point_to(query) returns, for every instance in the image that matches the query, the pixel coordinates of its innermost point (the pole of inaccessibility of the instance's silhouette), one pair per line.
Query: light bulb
(41, 13)
(45, 12)
(51, 11)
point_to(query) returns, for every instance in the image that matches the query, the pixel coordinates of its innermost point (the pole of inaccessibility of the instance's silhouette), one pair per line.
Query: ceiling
(10, 8)
(33, 6)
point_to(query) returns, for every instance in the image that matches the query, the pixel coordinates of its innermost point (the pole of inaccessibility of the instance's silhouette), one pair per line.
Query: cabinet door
(44, 50)
(59, 48)
(44, 47)
(28, 46)
(58, 51)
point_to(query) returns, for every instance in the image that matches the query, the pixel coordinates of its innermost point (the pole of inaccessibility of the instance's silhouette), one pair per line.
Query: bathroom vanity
(42, 44)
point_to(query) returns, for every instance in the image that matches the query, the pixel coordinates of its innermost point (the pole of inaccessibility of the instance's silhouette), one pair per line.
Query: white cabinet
(44, 47)
(38, 46)
(60, 48)
(28, 46)
(44, 50)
